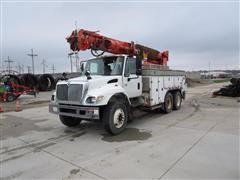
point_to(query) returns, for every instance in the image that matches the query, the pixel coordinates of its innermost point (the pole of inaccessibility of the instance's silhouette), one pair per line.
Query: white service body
(84, 97)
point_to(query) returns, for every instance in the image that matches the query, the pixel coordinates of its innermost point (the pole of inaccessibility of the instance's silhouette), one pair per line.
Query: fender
(107, 91)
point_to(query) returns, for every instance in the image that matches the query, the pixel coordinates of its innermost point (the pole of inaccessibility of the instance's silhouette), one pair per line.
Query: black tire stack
(44, 82)
(232, 90)
(29, 80)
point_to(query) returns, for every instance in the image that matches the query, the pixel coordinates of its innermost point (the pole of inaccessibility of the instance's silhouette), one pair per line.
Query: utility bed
(157, 81)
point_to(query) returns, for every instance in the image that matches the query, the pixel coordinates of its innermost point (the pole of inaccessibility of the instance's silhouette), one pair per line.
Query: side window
(127, 73)
(130, 66)
(94, 68)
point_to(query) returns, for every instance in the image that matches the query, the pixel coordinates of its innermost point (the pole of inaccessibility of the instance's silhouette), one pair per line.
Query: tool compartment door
(161, 90)
(168, 82)
(177, 81)
(154, 90)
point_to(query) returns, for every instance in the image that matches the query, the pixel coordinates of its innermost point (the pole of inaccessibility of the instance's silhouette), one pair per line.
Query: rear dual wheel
(172, 101)
(177, 100)
(168, 103)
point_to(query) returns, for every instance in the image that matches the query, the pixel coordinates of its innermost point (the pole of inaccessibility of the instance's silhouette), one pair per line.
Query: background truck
(112, 86)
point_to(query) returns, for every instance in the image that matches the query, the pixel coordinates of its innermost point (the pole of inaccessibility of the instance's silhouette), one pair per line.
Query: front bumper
(82, 112)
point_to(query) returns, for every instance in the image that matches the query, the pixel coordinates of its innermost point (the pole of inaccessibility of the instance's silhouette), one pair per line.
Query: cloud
(195, 33)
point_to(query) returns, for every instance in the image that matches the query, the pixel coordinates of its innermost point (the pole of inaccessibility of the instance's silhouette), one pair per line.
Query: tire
(10, 97)
(69, 121)
(177, 100)
(168, 103)
(115, 117)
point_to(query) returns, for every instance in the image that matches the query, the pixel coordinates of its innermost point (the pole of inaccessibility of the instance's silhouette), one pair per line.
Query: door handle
(132, 78)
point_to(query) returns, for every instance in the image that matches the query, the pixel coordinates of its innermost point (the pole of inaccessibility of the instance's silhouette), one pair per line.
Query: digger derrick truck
(112, 86)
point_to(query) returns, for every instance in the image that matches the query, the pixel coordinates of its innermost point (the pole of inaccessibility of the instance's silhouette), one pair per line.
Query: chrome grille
(62, 92)
(72, 92)
(75, 92)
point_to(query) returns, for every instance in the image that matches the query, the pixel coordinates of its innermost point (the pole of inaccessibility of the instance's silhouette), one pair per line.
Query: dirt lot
(201, 140)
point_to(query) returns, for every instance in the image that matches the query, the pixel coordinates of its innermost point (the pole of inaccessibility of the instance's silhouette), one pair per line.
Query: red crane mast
(83, 39)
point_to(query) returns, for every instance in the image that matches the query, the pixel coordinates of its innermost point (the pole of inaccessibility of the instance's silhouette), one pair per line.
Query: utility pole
(32, 55)
(44, 65)
(29, 69)
(209, 64)
(9, 61)
(19, 68)
(53, 69)
(70, 56)
(22, 67)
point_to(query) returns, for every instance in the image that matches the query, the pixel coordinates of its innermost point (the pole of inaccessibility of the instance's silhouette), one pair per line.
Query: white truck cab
(111, 86)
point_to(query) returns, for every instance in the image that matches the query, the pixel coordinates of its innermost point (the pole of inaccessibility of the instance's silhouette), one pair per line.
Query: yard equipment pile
(232, 90)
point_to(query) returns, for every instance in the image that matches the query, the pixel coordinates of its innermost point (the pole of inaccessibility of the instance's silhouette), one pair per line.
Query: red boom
(83, 40)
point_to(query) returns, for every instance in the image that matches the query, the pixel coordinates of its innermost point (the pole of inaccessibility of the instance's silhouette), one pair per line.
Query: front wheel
(69, 121)
(115, 117)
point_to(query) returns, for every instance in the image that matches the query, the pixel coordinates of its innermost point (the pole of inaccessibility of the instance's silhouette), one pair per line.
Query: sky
(198, 35)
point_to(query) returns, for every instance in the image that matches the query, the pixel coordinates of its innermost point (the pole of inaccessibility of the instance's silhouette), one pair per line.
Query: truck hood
(95, 82)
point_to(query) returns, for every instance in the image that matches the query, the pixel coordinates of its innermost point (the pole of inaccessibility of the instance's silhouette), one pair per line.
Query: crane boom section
(83, 39)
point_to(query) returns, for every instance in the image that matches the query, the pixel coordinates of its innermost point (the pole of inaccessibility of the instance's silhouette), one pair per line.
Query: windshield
(109, 66)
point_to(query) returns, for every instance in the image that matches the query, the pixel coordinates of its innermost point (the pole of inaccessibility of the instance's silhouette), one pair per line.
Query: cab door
(132, 83)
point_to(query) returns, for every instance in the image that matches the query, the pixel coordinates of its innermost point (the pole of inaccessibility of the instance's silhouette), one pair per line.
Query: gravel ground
(199, 141)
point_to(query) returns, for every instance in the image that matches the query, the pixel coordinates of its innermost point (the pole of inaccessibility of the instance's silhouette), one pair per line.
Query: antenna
(32, 55)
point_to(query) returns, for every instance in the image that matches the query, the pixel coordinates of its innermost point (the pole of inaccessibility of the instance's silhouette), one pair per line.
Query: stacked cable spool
(44, 82)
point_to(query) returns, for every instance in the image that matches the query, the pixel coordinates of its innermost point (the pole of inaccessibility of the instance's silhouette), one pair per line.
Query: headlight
(94, 99)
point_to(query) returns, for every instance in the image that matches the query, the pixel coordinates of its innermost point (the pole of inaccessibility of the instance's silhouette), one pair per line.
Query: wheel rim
(178, 101)
(169, 106)
(169, 103)
(118, 118)
(10, 98)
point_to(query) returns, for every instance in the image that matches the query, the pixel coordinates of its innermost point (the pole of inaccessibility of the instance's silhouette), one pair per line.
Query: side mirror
(139, 72)
(87, 74)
